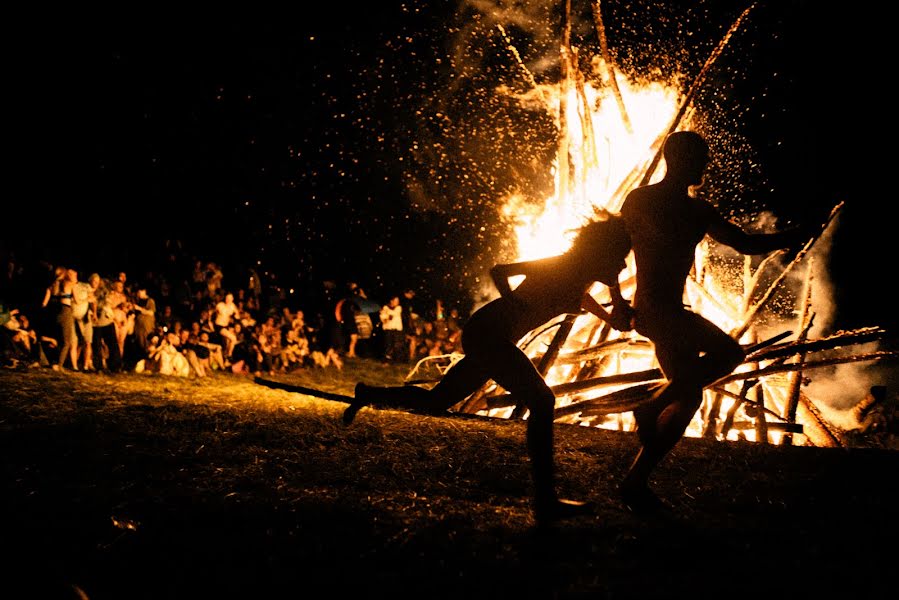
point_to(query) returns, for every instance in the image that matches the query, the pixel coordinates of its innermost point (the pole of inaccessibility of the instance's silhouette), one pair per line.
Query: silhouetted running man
(666, 222)
(552, 286)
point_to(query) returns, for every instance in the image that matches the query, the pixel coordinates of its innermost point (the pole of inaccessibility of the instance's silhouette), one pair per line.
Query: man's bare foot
(358, 402)
(556, 510)
(640, 500)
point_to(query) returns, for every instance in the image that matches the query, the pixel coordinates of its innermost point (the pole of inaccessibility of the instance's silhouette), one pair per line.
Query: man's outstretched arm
(723, 231)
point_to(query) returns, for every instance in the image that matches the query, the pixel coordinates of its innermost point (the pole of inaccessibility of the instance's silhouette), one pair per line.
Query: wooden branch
(610, 70)
(816, 428)
(617, 402)
(564, 61)
(752, 312)
(603, 348)
(514, 51)
(694, 88)
(725, 392)
(591, 157)
(756, 277)
(535, 335)
(837, 340)
(761, 424)
(806, 318)
(738, 401)
(577, 387)
(786, 368)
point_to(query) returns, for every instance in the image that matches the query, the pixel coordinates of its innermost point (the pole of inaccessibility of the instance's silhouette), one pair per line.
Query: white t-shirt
(223, 313)
(82, 295)
(392, 318)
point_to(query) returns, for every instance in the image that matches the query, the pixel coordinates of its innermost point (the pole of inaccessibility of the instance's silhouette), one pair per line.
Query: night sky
(372, 145)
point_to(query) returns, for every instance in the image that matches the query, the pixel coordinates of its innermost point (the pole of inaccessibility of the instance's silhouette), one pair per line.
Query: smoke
(836, 390)
(822, 291)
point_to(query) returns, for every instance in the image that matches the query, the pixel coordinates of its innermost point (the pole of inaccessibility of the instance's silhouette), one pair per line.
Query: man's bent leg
(462, 379)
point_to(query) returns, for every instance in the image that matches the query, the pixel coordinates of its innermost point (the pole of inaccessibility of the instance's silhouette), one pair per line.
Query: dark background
(360, 144)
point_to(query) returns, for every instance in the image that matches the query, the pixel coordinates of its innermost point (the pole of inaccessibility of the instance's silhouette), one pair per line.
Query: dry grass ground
(138, 486)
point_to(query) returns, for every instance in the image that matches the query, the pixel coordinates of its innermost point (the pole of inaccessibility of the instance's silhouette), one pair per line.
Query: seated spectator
(197, 355)
(165, 357)
(216, 354)
(295, 351)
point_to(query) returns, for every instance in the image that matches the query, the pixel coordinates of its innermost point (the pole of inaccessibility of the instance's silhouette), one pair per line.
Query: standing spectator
(84, 311)
(392, 328)
(106, 350)
(454, 328)
(347, 335)
(409, 326)
(214, 278)
(144, 320)
(122, 315)
(254, 285)
(58, 298)
(441, 329)
(225, 312)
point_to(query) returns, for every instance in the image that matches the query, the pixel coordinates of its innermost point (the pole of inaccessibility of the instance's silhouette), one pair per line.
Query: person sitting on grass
(552, 286)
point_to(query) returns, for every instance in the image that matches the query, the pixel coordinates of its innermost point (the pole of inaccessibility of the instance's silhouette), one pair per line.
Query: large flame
(608, 154)
(602, 163)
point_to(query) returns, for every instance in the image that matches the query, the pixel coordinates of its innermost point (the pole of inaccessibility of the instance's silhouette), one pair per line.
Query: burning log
(806, 318)
(738, 401)
(586, 385)
(711, 420)
(816, 428)
(602, 349)
(621, 401)
(758, 411)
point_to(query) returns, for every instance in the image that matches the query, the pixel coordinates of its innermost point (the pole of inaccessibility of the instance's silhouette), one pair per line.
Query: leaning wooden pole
(806, 317)
(564, 84)
(747, 322)
(610, 69)
(514, 51)
(694, 88)
(591, 156)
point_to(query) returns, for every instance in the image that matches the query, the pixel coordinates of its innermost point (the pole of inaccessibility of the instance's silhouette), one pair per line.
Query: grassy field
(140, 486)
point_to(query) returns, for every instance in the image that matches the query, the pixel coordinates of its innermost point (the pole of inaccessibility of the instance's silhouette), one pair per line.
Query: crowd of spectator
(194, 320)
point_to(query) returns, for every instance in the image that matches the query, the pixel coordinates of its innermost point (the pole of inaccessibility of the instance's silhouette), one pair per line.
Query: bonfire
(610, 133)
